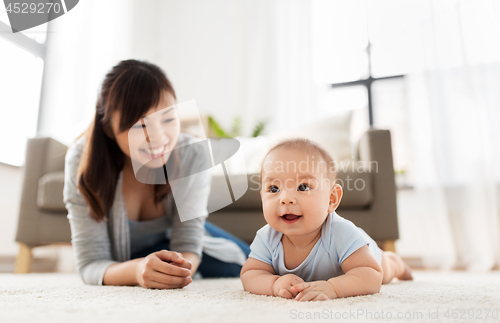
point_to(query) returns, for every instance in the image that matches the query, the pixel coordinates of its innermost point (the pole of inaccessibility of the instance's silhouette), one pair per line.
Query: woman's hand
(163, 270)
(283, 286)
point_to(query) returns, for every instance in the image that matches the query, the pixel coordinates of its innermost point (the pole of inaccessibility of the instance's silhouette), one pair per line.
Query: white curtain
(454, 106)
(235, 58)
(81, 47)
(279, 71)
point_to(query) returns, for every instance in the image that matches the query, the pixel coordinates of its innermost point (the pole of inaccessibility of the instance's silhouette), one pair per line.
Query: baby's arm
(260, 278)
(363, 275)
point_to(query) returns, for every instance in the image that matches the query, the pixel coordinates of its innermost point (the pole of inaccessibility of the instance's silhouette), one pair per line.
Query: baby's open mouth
(290, 217)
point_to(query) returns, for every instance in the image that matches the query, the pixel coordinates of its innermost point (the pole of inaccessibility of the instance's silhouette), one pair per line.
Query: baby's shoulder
(270, 236)
(336, 229)
(339, 224)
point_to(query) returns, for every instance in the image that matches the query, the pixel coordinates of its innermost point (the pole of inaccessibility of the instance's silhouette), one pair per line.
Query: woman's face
(150, 141)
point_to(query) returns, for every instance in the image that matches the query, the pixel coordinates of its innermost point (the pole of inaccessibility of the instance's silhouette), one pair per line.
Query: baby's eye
(303, 187)
(273, 189)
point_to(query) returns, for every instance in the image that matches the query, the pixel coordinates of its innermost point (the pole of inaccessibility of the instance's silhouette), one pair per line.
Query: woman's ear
(335, 197)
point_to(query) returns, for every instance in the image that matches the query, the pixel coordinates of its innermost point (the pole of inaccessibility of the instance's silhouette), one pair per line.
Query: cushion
(331, 133)
(50, 192)
(252, 151)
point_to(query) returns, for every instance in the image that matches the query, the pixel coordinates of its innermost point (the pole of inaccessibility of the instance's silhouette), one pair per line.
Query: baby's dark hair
(310, 146)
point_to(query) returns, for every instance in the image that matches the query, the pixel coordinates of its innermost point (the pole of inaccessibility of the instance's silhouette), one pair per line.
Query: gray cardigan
(99, 245)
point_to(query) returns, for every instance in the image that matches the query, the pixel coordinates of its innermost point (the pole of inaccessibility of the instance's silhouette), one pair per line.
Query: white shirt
(339, 239)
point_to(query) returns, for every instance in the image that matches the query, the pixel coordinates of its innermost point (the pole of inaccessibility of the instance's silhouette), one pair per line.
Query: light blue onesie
(339, 239)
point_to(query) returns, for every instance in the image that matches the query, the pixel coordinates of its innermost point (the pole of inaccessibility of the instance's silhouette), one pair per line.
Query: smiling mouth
(290, 218)
(156, 152)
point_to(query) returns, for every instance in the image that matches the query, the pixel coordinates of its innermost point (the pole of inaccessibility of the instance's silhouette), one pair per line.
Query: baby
(307, 251)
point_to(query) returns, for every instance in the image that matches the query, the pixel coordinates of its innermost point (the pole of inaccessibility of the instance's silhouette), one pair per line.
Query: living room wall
(200, 45)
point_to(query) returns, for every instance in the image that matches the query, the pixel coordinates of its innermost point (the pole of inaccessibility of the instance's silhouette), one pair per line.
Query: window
(3, 16)
(391, 112)
(21, 66)
(359, 48)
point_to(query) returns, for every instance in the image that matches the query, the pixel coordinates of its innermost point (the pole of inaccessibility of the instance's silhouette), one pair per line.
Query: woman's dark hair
(132, 87)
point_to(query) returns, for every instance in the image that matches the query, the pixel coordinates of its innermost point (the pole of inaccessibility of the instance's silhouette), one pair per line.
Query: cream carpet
(64, 298)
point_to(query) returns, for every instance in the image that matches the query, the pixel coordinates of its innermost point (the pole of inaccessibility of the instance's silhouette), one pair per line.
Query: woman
(124, 230)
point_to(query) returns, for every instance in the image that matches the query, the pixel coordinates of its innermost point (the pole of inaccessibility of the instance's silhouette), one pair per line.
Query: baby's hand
(283, 286)
(320, 290)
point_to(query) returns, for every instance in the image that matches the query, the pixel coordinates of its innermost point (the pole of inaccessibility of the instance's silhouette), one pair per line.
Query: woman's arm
(122, 273)
(162, 269)
(193, 259)
(90, 240)
(186, 238)
(91, 245)
(190, 193)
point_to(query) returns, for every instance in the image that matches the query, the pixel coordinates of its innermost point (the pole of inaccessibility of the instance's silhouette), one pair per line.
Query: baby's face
(296, 193)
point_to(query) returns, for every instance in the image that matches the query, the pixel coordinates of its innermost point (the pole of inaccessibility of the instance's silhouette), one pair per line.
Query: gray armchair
(42, 215)
(43, 221)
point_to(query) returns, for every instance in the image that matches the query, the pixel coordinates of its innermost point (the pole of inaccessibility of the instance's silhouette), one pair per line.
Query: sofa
(371, 205)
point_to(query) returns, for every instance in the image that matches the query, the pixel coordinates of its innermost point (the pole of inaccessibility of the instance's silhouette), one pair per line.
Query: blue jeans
(209, 266)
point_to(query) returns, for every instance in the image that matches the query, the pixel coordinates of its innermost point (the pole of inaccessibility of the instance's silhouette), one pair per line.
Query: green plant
(235, 128)
(400, 172)
(216, 128)
(259, 128)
